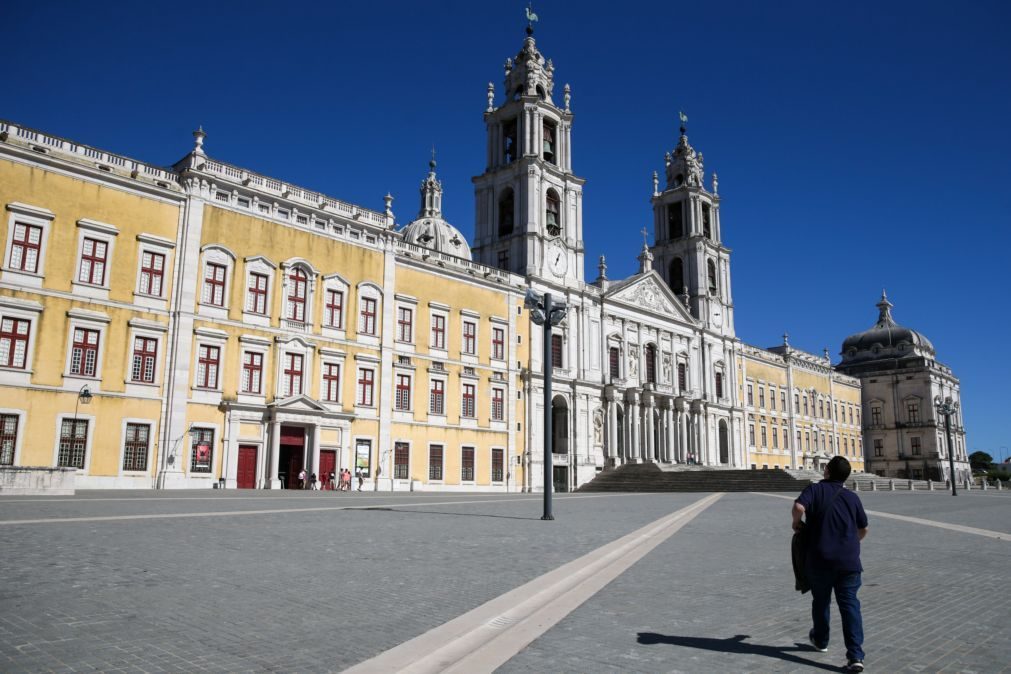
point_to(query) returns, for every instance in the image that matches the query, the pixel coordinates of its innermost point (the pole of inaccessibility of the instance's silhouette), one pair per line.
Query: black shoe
(820, 649)
(855, 666)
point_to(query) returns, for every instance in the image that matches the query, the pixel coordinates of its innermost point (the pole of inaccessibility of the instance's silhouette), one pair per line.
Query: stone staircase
(648, 477)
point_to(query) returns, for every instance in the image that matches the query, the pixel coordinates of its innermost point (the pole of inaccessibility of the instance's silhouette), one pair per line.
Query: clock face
(717, 315)
(558, 261)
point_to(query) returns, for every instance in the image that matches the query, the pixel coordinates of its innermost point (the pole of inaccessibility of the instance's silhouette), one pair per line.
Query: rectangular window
(786, 438)
(796, 403)
(719, 385)
(202, 453)
(73, 443)
(851, 416)
(614, 362)
(467, 464)
(751, 434)
(293, 363)
(761, 397)
(438, 331)
(145, 356)
(334, 308)
(135, 446)
(367, 325)
(152, 273)
(707, 228)
(252, 372)
(298, 292)
(497, 404)
(26, 247)
(682, 376)
(650, 354)
(208, 360)
(751, 395)
(331, 382)
(14, 342)
(805, 406)
(915, 446)
(879, 448)
(497, 465)
(875, 416)
(403, 396)
(366, 387)
(256, 297)
(765, 438)
(807, 440)
(821, 408)
(435, 462)
(437, 397)
(405, 324)
(469, 337)
(775, 438)
(8, 438)
(214, 284)
(401, 460)
(93, 254)
(772, 399)
(84, 352)
(913, 411)
(503, 260)
(467, 403)
(498, 343)
(556, 352)
(782, 400)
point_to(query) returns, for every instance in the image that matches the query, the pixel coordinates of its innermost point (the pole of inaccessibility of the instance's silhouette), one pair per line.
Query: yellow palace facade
(206, 325)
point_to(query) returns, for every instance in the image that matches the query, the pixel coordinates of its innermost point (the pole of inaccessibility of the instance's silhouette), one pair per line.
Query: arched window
(707, 224)
(711, 273)
(298, 291)
(651, 363)
(677, 276)
(506, 211)
(675, 221)
(552, 217)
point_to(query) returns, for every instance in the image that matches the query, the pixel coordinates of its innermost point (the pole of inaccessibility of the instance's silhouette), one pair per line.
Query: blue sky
(860, 145)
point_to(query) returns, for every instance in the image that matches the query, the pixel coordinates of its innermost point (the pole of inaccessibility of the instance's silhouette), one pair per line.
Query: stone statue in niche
(633, 361)
(666, 367)
(598, 427)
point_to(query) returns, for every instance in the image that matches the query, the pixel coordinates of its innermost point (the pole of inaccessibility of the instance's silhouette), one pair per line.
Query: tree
(980, 460)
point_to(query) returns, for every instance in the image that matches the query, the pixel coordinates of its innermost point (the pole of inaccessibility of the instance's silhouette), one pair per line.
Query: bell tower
(688, 246)
(528, 203)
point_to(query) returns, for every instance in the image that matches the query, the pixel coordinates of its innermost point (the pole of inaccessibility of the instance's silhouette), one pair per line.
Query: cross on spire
(645, 235)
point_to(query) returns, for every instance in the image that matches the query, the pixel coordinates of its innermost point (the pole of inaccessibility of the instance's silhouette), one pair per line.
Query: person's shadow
(736, 644)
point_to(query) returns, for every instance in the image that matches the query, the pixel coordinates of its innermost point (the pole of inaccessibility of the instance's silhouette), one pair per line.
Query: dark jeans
(845, 584)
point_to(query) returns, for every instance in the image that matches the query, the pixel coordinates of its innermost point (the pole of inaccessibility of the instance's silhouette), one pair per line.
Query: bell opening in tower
(551, 211)
(675, 221)
(549, 142)
(509, 134)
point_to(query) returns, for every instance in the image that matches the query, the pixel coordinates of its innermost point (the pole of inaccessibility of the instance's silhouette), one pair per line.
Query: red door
(327, 464)
(246, 476)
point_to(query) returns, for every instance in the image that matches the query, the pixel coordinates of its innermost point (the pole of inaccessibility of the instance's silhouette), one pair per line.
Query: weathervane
(531, 18)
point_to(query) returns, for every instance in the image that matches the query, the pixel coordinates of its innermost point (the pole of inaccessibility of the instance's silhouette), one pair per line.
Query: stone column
(270, 480)
(312, 446)
(683, 436)
(612, 424)
(634, 446)
(671, 431)
(649, 453)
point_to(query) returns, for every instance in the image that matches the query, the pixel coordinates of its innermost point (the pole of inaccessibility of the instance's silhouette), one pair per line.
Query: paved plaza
(244, 581)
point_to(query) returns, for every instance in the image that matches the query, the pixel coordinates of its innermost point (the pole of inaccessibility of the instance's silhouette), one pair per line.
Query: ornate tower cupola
(430, 229)
(528, 202)
(688, 246)
(431, 193)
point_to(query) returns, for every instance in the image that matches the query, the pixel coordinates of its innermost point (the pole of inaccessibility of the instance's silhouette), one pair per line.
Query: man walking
(835, 525)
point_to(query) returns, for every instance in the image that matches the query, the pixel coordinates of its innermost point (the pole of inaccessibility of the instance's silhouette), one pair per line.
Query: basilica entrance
(724, 443)
(291, 456)
(560, 478)
(327, 465)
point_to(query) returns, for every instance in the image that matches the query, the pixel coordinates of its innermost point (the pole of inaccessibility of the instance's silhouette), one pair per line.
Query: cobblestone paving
(718, 597)
(321, 590)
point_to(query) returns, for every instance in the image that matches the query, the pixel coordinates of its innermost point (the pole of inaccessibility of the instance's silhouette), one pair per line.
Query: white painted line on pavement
(999, 535)
(363, 495)
(483, 639)
(276, 511)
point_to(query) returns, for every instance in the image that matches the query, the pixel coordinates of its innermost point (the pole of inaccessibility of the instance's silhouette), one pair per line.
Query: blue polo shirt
(834, 543)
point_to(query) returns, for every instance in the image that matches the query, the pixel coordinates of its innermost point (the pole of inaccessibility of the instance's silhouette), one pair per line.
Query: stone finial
(656, 184)
(786, 339)
(885, 310)
(716, 183)
(645, 258)
(491, 98)
(388, 201)
(827, 357)
(508, 67)
(567, 97)
(198, 140)
(685, 299)
(602, 268)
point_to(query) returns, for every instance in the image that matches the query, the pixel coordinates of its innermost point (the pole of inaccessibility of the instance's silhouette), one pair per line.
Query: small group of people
(333, 482)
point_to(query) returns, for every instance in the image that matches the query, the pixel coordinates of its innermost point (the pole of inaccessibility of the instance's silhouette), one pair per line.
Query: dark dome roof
(887, 339)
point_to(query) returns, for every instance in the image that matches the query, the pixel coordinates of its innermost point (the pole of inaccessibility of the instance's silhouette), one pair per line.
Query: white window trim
(150, 446)
(503, 325)
(369, 290)
(498, 424)
(259, 345)
(258, 264)
(393, 460)
(467, 316)
(29, 215)
(22, 416)
(299, 346)
(149, 243)
(443, 351)
(217, 449)
(473, 480)
(444, 378)
(87, 320)
(428, 463)
(139, 327)
(216, 254)
(287, 268)
(408, 414)
(491, 466)
(470, 422)
(88, 441)
(410, 303)
(333, 357)
(98, 231)
(208, 337)
(30, 311)
(340, 284)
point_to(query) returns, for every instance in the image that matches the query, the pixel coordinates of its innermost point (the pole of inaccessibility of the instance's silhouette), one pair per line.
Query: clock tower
(688, 250)
(529, 205)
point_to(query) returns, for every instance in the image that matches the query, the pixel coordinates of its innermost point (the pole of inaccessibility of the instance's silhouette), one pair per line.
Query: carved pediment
(649, 292)
(299, 403)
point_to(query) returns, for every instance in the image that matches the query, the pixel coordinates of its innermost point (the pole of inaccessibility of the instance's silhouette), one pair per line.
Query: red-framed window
(256, 294)
(469, 337)
(366, 387)
(467, 401)
(334, 308)
(202, 453)
(214, 284)
(437, 397)
(252, 372)
(208, 362)
(498, 343)
(367, 324)
(84, 352)
(401, 460)
(403, 394)
(719, 388)
(145, 357)
(8, 438)
(467, 464)
(497, 464)
(73, 443)
(497, 404)
(297, 289)
(682, 376)
(26, 247)
(152, 273)
(293, 371)
(435, 462)
(14, 334)
(438, 331)
(556, 351)
(405, 324)
(331, 382)
(93, 260)
(135, 446)
(614, 362)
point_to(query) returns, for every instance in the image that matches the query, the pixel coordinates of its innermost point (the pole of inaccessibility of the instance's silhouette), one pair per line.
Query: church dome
(430, 230)
(886, 339)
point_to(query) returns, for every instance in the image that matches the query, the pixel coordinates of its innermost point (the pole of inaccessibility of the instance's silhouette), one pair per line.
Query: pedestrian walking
(312, 483)
(301, 479)
(333, 481)
(361, 480)
(834, 524)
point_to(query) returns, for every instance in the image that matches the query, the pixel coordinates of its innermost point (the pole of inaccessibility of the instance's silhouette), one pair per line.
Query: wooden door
(327, 463)
(246, 474)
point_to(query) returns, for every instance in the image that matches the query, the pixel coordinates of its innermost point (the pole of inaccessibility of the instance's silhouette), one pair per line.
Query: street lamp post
(543, 311)
(947, 407)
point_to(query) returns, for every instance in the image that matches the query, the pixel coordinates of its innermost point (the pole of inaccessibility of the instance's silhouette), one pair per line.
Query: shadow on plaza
(736, 644)
(413, 511)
